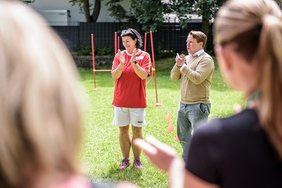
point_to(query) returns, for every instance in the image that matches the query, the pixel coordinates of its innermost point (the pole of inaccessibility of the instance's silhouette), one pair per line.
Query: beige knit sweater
(195, 78)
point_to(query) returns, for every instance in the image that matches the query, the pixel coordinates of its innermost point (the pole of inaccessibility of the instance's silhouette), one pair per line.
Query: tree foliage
(181, 8)
(117, 11)
(149, 14)
(205, 8)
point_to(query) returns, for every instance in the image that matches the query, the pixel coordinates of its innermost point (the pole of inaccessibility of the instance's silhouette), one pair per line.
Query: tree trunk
(205, 17)
(96, 10)
(86, 10)
(205, 25)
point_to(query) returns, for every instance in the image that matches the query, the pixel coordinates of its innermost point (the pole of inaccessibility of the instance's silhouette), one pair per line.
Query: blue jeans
(188, 117)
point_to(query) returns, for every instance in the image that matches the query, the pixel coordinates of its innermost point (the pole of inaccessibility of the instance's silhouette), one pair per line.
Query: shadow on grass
(129, 174)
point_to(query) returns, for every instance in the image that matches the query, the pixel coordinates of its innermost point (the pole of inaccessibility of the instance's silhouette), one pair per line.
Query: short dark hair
(199, 36)
(134, 35)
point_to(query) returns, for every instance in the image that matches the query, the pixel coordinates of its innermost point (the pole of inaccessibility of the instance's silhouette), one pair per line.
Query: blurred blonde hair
(255, 28)
(40, 113)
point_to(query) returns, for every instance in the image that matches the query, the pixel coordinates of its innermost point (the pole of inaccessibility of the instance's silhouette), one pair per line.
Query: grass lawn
(100, 150)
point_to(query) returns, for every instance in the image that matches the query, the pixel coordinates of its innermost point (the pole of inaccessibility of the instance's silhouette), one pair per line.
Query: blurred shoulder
(223, 127)
(143, 53)
(208, 57)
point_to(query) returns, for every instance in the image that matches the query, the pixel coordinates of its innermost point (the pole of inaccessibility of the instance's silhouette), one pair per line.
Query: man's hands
(180, 60)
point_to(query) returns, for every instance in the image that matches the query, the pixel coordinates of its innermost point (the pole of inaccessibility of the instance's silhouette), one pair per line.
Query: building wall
(75, 12)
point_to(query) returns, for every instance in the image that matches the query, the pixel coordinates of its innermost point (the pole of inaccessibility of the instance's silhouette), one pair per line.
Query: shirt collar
(138, 52)
(198, 53)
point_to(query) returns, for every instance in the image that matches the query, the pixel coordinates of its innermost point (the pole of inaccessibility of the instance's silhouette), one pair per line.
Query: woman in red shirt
(130, 70)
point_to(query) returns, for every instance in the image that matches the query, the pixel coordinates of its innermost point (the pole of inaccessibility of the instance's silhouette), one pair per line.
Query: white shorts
(132, 116)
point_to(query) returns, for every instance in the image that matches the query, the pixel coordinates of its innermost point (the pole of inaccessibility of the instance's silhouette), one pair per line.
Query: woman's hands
(116, 73)
(165, 158)
(159, 153)
(133, 57)
(121, 58)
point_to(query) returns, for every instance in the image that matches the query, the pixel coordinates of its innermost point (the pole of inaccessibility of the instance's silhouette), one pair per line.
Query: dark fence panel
(103, 33)
(170, 37)
(70, 35)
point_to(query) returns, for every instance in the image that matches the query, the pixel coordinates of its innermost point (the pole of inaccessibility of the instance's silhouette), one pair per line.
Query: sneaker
(137, 164)
(124, 164)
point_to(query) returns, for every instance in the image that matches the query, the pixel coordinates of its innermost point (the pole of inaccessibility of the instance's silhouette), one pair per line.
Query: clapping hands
(165, 158)
(180, 59)
(133, 57)
(159, 153)
(121, 57)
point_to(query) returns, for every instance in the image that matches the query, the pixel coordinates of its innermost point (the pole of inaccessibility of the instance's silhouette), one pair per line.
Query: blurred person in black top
(244, 150)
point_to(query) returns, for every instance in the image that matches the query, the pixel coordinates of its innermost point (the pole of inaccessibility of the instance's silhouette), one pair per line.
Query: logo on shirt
(139, 57)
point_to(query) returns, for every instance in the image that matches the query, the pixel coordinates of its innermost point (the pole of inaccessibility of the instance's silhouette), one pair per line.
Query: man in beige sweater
(195, 74)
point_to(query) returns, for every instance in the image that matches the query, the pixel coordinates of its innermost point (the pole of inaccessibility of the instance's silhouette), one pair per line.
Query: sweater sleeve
(175, 73)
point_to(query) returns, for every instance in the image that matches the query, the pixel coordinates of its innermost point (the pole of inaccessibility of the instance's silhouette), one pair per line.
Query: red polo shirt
(130, 90)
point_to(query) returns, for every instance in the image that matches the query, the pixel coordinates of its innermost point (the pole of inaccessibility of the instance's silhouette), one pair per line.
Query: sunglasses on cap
(128, 32)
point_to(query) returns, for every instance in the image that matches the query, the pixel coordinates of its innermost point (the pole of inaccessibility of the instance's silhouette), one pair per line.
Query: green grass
(100, 150)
